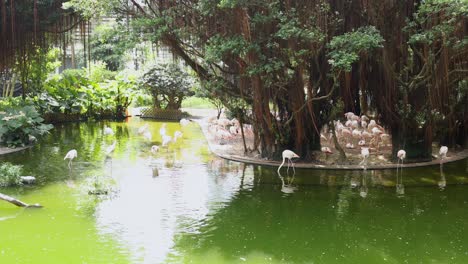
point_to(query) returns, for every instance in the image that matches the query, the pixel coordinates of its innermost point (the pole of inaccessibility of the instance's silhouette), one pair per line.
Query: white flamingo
(110, 149)
(162, 130)
(71, 155)
(401, 154)
(166, 140)
(142, 129)
(177, 135)
(184, 122)
(443, 153)
(365, 155)
(108, 131)
(288, 154)
(147, 135)
(154, 149)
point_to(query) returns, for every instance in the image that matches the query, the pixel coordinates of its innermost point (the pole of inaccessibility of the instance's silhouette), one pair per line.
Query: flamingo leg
(292, 164)
(401, 172)
(398, 164)
(69, 164)
(287, 171)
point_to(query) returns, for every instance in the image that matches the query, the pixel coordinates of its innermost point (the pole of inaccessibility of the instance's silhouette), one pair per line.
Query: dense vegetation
(290, 62)
(291, 67)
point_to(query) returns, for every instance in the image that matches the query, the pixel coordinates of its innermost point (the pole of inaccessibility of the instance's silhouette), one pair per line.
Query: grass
(197, 103)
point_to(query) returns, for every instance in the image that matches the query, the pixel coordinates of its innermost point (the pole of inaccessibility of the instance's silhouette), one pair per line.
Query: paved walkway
(220, 151)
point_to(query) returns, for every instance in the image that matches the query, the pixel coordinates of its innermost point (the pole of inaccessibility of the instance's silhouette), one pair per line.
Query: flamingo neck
(282, 163)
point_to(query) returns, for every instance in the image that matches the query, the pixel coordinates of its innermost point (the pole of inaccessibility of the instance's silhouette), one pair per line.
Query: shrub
(169, 85)
(10, 174)
(17, 124)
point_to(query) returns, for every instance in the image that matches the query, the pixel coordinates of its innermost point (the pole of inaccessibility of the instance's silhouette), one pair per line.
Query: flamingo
(364, 124)
(71, 155)
(401, 154)
(142, 129)
(327, 151)
(346, 134)
(349, 115)
(364, 118)
(147, 135)
(365, 155)
(166, 140)
(356, 134)
(177, 135)
(288, 154)
(184, 122)
(233, 130)
(224, 122)
(443, 153)
(162, 130)
(110, 149)
(371, 124)
(154, 149)
(322, 137)
(108, 131)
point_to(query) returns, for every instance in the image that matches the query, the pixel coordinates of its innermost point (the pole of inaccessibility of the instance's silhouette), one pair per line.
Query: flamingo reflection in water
(442, 183)
(287, 186)
(400, 188)
(442, 155)
(364, 190)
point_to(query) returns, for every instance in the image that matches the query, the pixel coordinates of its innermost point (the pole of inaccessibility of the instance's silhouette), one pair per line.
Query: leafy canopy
(168, 84)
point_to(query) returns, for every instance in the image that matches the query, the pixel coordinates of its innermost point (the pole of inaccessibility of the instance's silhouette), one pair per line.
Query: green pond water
(183, 205)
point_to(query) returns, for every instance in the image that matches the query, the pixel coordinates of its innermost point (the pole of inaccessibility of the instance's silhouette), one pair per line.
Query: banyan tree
(298, 65)
(28, 29)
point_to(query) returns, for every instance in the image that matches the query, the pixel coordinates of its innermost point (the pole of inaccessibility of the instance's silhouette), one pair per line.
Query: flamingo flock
(359, 131)
(143, 131)
(225, 129)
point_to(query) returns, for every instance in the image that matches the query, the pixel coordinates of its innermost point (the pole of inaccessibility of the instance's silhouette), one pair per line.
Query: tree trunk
(415, 142)
(72, 50)
(18, 202)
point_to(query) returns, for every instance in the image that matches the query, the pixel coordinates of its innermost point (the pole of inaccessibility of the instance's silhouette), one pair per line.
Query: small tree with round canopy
(168, 84)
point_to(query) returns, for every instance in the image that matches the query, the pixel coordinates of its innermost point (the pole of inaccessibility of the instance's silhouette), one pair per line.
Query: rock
(28, 179)
(32, 139)
(98, 192)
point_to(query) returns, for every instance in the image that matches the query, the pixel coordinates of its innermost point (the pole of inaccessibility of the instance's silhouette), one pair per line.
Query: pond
(184, 205)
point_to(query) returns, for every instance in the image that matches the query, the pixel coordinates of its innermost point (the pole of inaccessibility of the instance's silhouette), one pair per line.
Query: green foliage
(197, 103)
(344, 50)
(17, 124)
(449, 13)
(221, 47)
(65, 93)
(109, 43)
(99, 72)
(10, 175)
(290, 27)
(34, 69)
(93, 93)
(168, 84)
(91, 8)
